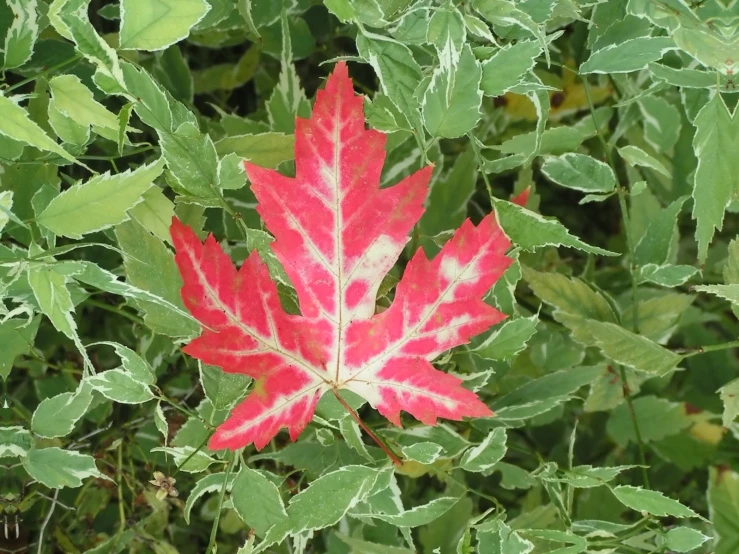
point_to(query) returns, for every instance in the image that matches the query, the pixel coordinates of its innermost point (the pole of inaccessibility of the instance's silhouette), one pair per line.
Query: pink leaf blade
(415, 386)
(286, 398)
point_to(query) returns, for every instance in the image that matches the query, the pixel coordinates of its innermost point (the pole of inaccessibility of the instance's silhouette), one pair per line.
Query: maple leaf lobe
(337, 234)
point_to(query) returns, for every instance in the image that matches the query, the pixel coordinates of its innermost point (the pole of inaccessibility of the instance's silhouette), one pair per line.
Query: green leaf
(508, 66)
(101, 202)
(657, 418)
(451, 103)
(15, 442)
(446, 32)
(6, 203)
(53, 297)
(723, 507)
(187, 458)
(684, 539)
(133, 364)
(324, 502)
(191, 159)
(156, 24)
(209, 483)
(56, 416)
(579, 172)
(631, 55)
(665, 275)
(495, 537)
(16, 124)
(654, 246)
(530, 230)
(569, 295)
(630, 349)
(727, 292)
(150, 266)
(661, 121)
(161, 422)
(422, 452)
(508, 340)
(288, 99)
(75, 100)
(155, 213)
(399, 74)
(729, 394)
(222, 389)
(652, 502)
(120, 386)
(506, 14)
(586, 476)
(717, 175)
(264, 149)
(17, 338)
(22, 34)
(56, 468)
(484, 456)
(420, 515)
(257, 501)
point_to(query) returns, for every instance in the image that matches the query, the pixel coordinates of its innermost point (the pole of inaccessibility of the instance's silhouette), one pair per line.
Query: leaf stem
(632, 270)
(121, 507)
(385, 448)
(635, 423)
(711, 348)
(44, 72)
(216, 521)
(115, 310)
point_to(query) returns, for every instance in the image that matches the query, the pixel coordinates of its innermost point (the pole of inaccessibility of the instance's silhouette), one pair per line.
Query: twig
(46, 522)
(380, 443)
(216, 521)
(711, 348)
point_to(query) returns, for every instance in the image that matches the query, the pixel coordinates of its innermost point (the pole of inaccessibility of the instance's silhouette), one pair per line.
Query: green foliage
(613, 378)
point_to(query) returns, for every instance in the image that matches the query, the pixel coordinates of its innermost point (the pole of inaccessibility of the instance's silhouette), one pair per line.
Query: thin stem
(46, 522)
(214, 531)
(113, 309)
(711, 348)
(635, 423)
(632, 269)
(202, 444)
(121, 507)
(367, 430)
(44, 72)
(185, 411)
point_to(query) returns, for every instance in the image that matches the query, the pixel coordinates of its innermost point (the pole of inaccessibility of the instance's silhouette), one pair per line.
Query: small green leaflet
(53, 297)
(221, 388)
(506, 14)
(484, 456)
(100, 203)
(684, 539)
(6, 203)
(715, 143)
(22, 34)
(187, 458)
(75, 100)
(15, 441)
(631, 350)
(495, 537)
(156, 24)
(652, 502)
(579, 172)
(507, 67)
(265, 149)
(154, 212)
(632, 55)
(451, 103)
(723, 508)
(729, 394)
(422, 452)
(530, 230)
(446, 31)
(257, 501)
(420, 515)
(633, 155)
(56, 468)
(120, 386)
(324, 502)
(15, 123)
(17, 337)
(508, 340)
(657, 418)
(654, 246)
(56, 416)
(209, 483)
(665, 275)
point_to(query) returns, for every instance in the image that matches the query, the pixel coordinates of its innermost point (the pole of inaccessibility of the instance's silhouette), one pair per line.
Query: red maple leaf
(337, 234)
